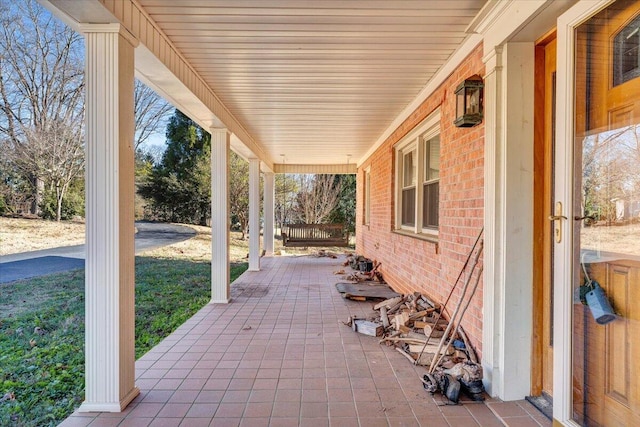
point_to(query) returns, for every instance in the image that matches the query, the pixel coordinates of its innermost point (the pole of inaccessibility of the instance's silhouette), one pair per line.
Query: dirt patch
(24, 235)
(621, 239)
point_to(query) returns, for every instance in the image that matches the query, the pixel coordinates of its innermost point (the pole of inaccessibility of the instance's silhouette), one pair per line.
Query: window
(418, 178)
(431, 183)
(409, 188)
(626, 53)
(367, 196)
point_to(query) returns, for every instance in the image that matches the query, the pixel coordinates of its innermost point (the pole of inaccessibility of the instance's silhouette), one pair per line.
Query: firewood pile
(415, 326)
(365, 270)
(424, 332)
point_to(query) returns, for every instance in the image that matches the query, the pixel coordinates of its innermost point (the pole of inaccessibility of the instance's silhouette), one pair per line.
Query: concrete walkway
(24, 265)
(279, 355)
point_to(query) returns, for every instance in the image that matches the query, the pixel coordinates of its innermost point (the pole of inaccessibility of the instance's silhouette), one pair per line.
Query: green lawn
(42, 332)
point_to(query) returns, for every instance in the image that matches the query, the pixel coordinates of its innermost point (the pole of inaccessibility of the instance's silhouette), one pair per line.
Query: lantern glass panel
(473, 100)
(460, 98)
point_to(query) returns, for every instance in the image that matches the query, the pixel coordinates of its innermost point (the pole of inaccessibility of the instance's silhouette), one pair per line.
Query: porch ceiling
(313, 81)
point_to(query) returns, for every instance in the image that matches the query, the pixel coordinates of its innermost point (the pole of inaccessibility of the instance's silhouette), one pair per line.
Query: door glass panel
(606, 222)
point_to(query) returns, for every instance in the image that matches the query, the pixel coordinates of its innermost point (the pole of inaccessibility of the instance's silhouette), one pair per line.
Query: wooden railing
(301, 235)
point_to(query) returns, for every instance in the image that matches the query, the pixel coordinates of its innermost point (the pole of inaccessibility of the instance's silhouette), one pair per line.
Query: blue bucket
(599, 305)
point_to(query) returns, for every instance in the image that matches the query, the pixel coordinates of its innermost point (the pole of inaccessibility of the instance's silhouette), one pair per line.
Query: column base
(109, 407)
(220, 301)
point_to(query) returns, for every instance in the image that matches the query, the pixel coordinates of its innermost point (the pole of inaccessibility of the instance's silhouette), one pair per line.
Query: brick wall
(410, 264)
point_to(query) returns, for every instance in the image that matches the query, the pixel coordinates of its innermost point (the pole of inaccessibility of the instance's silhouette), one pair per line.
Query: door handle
(557, 219)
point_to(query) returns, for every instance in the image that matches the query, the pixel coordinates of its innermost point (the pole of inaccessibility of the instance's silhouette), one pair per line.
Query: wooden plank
(424, 359)
(388, 303)
(368, 328)
(429, 348)
(366, 289)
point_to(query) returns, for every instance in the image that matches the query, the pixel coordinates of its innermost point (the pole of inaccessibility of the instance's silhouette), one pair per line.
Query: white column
(109, 273)
(517, 227)
(508, 220)
(269, 211)
(220, 223)
(254, 215)
(492, 180)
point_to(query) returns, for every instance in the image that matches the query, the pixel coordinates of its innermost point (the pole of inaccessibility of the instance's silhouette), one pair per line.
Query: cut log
(383, 317)
(430, 302)
(366, 327)
(424, 359)
(432, 321)
(400, 319)
(430, 348)
(419, 314)
(395, 307)
(404, 329)
(429, 331)
(388, 303)
(415, 335)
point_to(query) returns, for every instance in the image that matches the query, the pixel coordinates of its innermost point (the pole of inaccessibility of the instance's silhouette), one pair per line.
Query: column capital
(219, 131)
(493, 60)
(111, 28)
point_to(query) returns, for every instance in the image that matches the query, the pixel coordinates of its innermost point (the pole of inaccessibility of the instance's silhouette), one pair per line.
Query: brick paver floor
(279, 355)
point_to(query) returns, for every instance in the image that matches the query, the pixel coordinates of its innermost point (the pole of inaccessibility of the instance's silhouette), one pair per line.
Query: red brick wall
(410, 264)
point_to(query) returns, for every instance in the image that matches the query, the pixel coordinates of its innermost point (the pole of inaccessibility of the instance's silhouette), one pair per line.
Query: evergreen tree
(345, 210)
(179, 187)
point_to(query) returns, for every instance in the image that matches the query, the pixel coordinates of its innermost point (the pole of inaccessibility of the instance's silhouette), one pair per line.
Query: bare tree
(285, 195)
(41, 97)
(610, 163)
(151, 113)
(239, 191)
(316, 199)
(61, 151)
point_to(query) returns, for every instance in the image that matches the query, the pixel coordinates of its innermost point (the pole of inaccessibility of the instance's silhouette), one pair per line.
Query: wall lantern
(469, 102)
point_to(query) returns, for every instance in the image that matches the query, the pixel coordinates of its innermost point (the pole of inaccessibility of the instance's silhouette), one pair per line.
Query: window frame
(414, 140)
(402, 154)
(366, 217)
(426, 143)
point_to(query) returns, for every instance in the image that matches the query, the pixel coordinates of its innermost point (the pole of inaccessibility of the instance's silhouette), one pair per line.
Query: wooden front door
(606, 216)
(542, 357)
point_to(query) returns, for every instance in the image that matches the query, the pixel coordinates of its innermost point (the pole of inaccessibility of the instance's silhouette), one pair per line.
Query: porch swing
(311, 235)
(314, 235)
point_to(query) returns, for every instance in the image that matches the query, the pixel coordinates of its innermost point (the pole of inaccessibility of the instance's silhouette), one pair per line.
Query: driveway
(38, 263)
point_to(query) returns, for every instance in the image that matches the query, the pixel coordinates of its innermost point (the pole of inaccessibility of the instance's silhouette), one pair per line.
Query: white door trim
(563, 253)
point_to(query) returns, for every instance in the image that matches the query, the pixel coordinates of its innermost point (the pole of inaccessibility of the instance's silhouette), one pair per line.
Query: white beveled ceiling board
(315, 81)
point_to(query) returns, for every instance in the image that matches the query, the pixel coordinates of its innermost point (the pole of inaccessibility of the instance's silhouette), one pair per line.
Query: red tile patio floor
(279, 355)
